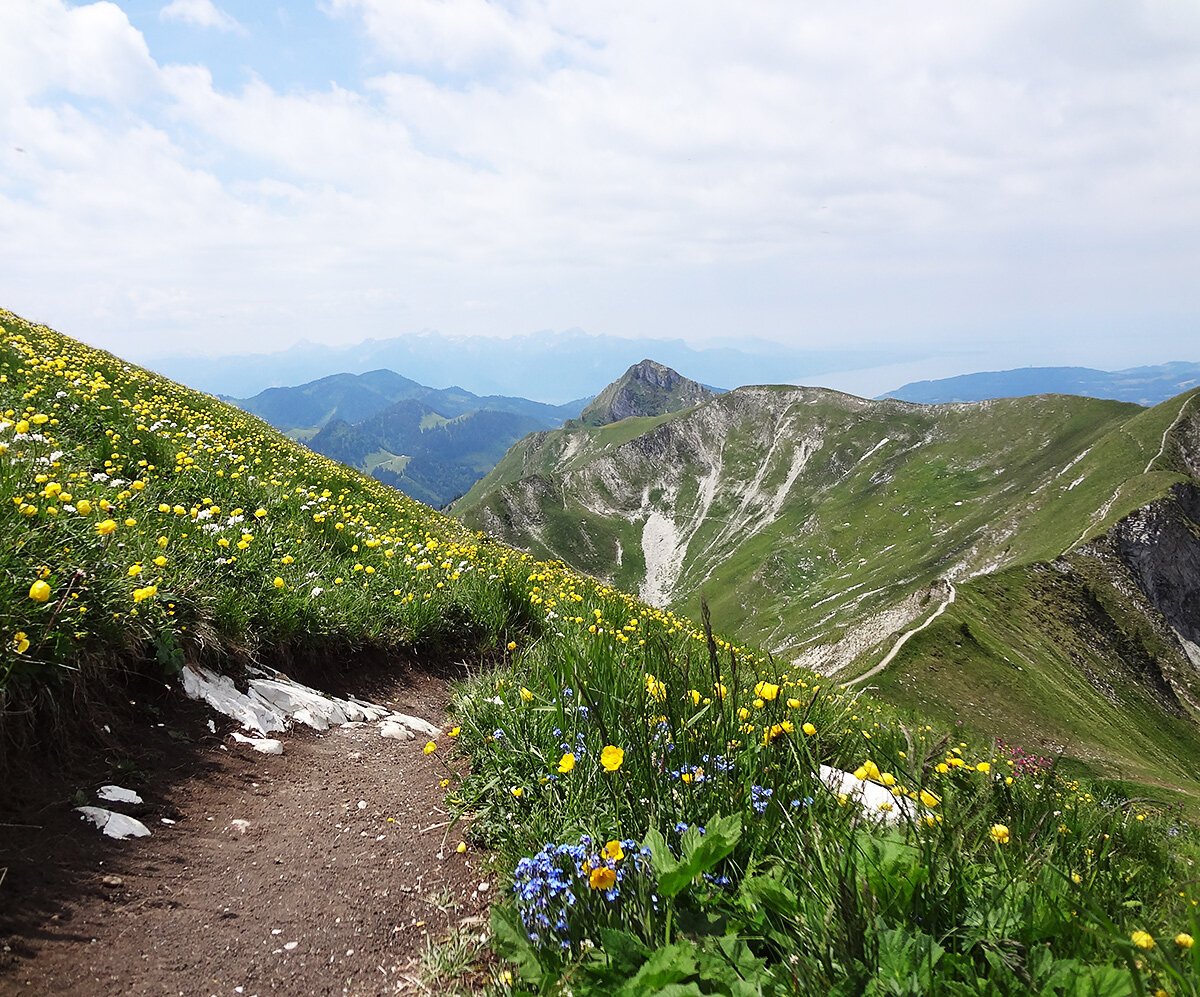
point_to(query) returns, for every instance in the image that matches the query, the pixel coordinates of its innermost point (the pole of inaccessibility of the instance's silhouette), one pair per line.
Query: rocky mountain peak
(645, 389)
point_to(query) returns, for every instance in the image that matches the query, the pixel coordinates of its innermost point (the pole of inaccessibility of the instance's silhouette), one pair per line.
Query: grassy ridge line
(1054, 660)
(891, 496)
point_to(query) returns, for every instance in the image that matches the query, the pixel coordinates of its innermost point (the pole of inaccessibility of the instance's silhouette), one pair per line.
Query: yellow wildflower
(612, 758)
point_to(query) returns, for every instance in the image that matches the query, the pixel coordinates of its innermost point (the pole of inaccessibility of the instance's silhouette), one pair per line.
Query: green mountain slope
(421, 452)
(826, 525)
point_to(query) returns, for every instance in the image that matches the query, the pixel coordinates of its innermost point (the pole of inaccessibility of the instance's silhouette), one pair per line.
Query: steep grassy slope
(821, 525)
(801, 509)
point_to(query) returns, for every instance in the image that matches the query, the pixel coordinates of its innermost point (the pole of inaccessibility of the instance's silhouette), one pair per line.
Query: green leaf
(701, 853)
(510, 942)
(626, 953)
(672, 964)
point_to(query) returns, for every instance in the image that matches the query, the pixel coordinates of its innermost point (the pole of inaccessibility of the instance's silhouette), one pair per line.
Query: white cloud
(199, 14)
(824, 171)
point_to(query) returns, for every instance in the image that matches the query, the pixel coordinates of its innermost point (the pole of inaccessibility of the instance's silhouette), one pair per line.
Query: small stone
(113, 881)
(114, 825)
(240, 825)
(288, 946)
(117, 794)
(265, 745)
(362, 804)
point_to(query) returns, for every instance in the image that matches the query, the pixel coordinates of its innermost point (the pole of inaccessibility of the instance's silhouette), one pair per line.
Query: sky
(981, 185)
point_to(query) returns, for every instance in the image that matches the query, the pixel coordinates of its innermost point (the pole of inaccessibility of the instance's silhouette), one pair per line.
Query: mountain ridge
(824, 524)
(1145, 386)
(553, 367)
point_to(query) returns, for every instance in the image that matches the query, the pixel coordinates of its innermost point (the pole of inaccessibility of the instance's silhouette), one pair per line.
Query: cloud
(800, 171)
(199, 14)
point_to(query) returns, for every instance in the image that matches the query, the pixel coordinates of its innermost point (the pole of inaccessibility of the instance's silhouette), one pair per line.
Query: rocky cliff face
(1160, 545)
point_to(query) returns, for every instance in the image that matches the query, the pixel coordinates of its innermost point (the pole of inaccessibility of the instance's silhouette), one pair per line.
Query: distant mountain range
(354, 397)
(1141, 385)
(430, 443)
(553, 367)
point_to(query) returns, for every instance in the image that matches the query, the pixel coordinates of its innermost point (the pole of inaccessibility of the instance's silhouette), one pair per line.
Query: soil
(326, 870)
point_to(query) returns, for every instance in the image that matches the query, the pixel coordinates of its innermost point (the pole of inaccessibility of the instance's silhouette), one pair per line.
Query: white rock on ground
(290, 698)
(415, 724)
(876, 801)
(114, 825)
(223, 696)
(265, 745)
(116, 794)
(274, 704)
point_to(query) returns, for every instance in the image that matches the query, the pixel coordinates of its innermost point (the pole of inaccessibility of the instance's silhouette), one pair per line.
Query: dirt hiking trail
(321, 871)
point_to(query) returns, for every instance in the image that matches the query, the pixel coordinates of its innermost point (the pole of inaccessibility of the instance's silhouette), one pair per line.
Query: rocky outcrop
(1160, 545)
(646, 389)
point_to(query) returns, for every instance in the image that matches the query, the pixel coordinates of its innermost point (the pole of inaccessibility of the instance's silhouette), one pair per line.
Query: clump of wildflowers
(563, 889)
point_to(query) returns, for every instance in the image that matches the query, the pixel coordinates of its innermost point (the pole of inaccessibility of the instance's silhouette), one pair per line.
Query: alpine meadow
(677, 809)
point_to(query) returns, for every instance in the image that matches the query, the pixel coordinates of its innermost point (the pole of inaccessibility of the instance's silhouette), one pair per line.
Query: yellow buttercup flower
(999, 834)
(809, 729)
(612, 758)
(766, 690)
(614, 851)
(39, 591)
(106, 527)
(602, 878)
(1142, 939)
(566, 763)
(1184, 940)
(430, 747)
(20, 642)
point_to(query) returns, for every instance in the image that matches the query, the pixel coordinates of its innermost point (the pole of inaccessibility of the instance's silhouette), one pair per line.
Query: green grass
(1031, 655)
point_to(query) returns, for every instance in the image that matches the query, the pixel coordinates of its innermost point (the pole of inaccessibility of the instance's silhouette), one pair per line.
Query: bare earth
(343, 869)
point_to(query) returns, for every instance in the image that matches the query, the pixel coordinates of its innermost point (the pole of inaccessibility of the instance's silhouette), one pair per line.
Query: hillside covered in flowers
(679, 814)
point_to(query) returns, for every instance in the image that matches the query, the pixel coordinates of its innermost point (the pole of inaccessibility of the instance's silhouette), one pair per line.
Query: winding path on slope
(904, 638)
